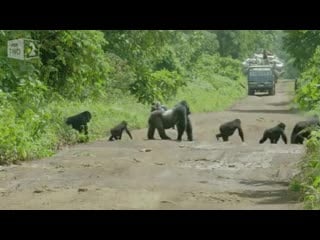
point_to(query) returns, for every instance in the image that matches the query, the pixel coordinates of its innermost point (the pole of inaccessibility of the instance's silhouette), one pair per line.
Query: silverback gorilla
(116, 132)
(158, 106)
(303, 130)
(274, 134)
(79, 121)
(228, 128)
(178, 115)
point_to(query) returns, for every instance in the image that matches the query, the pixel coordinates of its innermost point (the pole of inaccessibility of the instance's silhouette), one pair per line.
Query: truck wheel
(273, 91)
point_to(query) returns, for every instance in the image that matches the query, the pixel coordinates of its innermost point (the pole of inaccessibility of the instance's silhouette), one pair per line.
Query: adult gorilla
(79, 121)
(178, 115)
(302, 130)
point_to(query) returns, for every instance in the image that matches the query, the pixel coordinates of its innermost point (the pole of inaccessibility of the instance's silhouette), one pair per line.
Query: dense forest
(117, 74)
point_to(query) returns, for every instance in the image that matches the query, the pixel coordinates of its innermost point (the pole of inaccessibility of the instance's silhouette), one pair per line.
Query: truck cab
(261, 79)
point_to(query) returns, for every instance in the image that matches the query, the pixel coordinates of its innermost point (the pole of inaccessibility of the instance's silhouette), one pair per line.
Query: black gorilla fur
(116, 132)
(228, 128)
(274, 134)
(303, 130)
(79, 121)
(178, 115)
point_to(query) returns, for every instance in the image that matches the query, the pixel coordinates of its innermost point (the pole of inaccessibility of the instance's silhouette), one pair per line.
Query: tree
(153, 61)
(73, 63)
(301, 45)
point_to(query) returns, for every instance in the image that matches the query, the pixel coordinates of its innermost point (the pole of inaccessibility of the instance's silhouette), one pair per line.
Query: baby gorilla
(116, 132)
(228, 128)
(158, 106)
(274, 134)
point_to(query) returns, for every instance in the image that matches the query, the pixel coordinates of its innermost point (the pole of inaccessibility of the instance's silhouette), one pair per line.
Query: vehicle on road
(261, 79)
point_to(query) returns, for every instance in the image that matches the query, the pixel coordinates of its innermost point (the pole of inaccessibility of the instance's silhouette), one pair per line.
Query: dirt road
(203, 174)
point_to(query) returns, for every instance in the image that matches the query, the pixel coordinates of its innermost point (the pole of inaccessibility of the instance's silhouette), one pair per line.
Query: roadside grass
(204, 95)
(307, 182)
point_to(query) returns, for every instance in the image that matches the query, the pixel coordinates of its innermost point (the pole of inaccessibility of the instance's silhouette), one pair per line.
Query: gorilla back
(302, 130)
(79, 121)
(178, 115)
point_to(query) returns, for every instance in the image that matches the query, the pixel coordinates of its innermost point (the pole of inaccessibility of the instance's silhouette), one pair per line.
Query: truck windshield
(258, 75)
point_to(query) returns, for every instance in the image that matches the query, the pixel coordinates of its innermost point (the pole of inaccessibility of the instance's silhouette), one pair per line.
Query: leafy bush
(308, 181)
(160, 85)
(73, 62)
(308, 95)
(223, 66)
(121, 75)
(25, 136)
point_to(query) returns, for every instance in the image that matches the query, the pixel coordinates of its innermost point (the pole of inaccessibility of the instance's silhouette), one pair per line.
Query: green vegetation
(115, 74)
(217, 83)
(308, 181)
(304, 48)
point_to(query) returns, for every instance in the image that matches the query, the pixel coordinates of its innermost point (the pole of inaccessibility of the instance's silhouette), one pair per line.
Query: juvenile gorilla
(116, 132)
(303, 130)
(178, 115)
(274, 134)
(79, 121)
(158, 106)
(228, 128)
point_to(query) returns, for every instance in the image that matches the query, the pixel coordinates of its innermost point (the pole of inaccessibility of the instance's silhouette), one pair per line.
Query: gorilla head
(162, 120)
(282, 125)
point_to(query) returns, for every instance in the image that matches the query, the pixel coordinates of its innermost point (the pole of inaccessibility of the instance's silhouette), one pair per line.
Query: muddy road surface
(163, 174)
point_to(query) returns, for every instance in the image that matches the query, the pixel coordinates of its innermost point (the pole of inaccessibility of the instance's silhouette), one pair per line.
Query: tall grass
(203, 96)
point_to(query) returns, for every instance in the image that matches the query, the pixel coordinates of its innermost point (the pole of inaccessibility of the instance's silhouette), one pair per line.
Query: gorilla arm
(284, 137)
(241, 133)
(189, 130)
(264, 137)
(128, 132)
